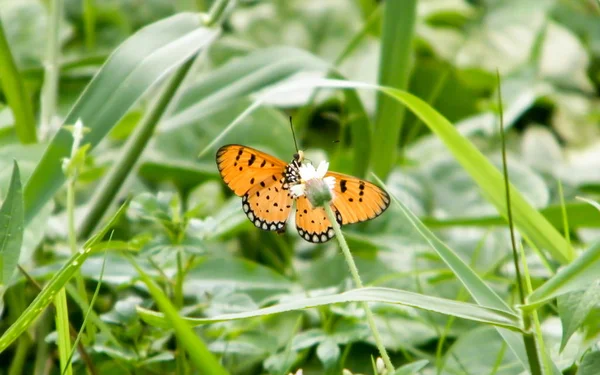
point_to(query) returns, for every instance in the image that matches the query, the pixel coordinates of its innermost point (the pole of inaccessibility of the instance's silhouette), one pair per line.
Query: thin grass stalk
(180, 359)
(62, 329)
(16, 94)
(536, 321)
(357, 280)
(51, 70)
(136, 144)
(72, 234)
(528, 337)
(89, 310)
(89, 23)
(399, 18)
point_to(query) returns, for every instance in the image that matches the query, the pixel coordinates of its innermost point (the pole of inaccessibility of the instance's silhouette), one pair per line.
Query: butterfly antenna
(294, 134)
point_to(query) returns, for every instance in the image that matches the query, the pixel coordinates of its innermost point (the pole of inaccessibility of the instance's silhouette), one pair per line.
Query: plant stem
(180, 360)
(72, 180)
(216, 12)
(115, 178)
(62, 329)
(51, 72)
(16, 94)
(354, 272)
(528, 337)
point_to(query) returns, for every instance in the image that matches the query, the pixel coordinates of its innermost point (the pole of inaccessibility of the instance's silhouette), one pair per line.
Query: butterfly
(264, 182)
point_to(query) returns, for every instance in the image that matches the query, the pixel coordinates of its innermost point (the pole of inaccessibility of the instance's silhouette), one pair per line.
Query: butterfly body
(264, 183)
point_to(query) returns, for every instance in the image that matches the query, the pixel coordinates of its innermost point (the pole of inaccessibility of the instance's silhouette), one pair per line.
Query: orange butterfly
(264, 183)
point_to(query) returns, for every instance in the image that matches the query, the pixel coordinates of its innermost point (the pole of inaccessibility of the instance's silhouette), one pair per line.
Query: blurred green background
(185, 229)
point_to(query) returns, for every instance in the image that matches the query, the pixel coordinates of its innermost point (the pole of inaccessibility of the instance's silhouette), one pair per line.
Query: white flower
(314, 184)
(299, 372)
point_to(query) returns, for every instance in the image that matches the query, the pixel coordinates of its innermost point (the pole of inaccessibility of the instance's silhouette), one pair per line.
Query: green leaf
(137, 65)
(399, 18)
(328, 353)
(481, 351)
(199, 354)
(382, 295)
(590, 364)
(530, 223)
(578, 275)
(574, 307)
(58, 281)
(11, 227)
(13, 87)
(581, 215)
(411, 368)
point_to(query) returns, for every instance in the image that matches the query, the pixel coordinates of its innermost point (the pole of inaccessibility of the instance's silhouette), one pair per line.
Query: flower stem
(354, 271)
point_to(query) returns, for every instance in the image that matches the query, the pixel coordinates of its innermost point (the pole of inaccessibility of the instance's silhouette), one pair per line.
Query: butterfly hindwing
(357, 200)
(268, 204)
(312, 223)
(243, 168)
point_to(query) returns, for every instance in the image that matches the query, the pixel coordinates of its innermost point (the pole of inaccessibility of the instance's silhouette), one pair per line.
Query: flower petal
(322, 169)
(297, 190)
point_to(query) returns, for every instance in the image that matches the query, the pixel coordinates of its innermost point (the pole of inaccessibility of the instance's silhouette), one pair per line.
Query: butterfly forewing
(357, 200)
(243, 168)
(312, 223)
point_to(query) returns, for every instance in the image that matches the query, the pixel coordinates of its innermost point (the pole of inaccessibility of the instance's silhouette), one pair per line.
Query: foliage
(177, 281)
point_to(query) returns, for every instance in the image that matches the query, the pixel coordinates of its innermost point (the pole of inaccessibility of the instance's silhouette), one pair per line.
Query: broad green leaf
(585, 269)
(411, 368)
(213, 273)
(197, 350)
(11, 227)
(574, 307)
(58, 281)
(137, 65)
(480, 351)
(590, 364)
(382, 295)
(328, 353)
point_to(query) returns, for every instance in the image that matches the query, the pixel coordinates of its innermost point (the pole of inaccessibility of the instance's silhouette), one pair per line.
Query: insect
(265, 184)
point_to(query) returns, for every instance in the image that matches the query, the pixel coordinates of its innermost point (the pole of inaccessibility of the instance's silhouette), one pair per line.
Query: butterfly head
(299, 156)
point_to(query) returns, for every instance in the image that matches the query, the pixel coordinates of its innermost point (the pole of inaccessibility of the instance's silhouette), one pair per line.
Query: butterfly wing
(258, 178)
(312, 223)
(268, 205)
(243, 168)
(357, 200)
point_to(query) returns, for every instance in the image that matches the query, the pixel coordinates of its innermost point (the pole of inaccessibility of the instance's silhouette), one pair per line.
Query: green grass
(179, 281)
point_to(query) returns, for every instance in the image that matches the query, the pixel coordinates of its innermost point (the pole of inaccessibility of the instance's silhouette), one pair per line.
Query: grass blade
(11, 227)
(399, 18)
(16, 95)
(370, 294)
(56, 284)
(576, 276)
(196, 348)
(138, 64)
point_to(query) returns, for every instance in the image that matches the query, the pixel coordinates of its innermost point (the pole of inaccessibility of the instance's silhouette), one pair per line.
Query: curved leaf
(138, 64)
(381, 295)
